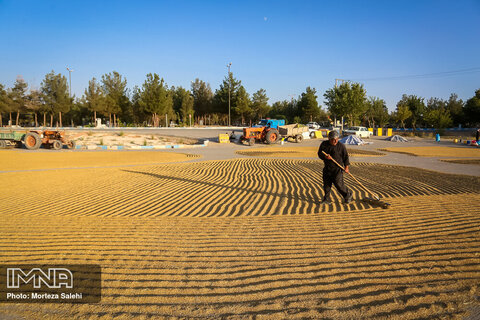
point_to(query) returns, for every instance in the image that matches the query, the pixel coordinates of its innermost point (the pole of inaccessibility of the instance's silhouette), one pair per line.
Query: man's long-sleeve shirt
(337, 152)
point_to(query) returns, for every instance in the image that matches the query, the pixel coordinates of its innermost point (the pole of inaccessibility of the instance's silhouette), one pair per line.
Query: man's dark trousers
(336, 178)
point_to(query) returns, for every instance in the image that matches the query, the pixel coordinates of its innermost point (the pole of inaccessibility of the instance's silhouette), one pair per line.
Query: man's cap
(333, 135)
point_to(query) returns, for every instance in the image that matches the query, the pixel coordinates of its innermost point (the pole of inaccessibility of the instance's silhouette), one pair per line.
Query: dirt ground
(243, 238)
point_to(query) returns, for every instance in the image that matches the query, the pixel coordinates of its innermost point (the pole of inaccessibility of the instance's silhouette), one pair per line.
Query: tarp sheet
(352, 140)
(397, 138)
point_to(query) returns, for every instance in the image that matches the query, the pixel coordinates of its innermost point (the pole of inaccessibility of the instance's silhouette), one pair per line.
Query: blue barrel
(437, 137)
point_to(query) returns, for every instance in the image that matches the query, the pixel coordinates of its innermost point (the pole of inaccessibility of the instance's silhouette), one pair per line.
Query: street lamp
(70, 80)
(229, 84)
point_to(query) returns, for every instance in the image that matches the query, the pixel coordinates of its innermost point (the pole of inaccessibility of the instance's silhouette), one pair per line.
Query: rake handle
(351, 175)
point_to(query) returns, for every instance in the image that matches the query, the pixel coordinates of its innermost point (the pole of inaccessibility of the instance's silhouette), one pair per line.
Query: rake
(375, 200)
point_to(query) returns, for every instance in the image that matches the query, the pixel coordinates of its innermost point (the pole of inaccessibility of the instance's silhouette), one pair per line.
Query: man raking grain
(335, 156)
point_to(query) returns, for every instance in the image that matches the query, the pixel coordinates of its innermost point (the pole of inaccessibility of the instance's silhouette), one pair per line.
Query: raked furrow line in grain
(225, 188)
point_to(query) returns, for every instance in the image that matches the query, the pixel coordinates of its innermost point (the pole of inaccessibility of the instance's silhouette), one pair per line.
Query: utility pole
(229, 85)
(339, 80)
(70, 80)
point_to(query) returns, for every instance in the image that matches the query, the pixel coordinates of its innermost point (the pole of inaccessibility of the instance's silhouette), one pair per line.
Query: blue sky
(281, 46)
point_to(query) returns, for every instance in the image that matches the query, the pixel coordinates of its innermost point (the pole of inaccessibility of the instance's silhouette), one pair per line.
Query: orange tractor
(33, 139)
(51, 139)
(265, 131)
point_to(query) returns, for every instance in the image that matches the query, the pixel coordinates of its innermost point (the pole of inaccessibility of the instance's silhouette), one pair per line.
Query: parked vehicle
(294, 131)
(313, 125)
(33, 139)
(361, 132)
(265, 131)
(271, 123)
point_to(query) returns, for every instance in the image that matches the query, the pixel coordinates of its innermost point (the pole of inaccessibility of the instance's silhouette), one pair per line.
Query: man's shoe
(326, 201)
(349, 197)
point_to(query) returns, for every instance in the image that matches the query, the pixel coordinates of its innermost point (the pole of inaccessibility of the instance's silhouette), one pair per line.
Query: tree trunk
(114, 120)
(1, 121)
(60, 118)
(18, 116)
(95, 118)
(51, 120)
(110, 119)
(36, 120)
(44, 119)
(10, 118)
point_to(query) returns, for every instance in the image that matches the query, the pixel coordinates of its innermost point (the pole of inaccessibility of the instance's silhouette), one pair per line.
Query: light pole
(229, 85)
(70, 80)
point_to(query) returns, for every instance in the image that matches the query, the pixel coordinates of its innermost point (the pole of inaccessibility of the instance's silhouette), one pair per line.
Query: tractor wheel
(298, 138)
(272, 136)
(251, 141)
(57, 145)
(71, 144)
(3, 144)
(312, 134)
(32, 141)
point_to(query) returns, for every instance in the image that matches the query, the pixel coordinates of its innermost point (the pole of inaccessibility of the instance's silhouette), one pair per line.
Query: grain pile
(246, 238)
(299, 152)
(463, 161)
(21, 160)
(462, 151)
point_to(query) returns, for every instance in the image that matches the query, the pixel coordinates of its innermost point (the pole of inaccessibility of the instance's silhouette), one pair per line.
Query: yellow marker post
(389, 132)
(223, 138)
(379, 132)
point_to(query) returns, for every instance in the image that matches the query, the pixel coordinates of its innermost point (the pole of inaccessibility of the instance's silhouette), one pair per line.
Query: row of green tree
(157, 104)
(350, 101)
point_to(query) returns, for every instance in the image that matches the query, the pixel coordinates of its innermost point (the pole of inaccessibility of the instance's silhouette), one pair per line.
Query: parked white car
(361, 132)
(313, 125)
